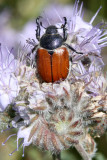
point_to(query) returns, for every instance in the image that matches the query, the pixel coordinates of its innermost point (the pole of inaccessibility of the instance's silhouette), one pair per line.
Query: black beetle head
(51, 30)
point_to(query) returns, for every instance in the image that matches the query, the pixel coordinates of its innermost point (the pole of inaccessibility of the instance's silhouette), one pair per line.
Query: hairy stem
(56, 156)
(82, 152)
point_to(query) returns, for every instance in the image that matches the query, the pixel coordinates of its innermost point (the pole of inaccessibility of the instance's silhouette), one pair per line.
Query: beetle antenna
(42, 25)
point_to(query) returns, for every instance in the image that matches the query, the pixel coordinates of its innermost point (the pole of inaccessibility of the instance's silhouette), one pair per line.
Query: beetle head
(51, 30)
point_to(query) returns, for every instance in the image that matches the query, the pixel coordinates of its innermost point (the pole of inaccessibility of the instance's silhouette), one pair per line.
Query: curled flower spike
(58, 96)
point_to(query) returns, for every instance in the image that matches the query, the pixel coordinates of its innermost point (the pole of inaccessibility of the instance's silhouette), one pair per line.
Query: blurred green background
(25, 10)
(22, 11)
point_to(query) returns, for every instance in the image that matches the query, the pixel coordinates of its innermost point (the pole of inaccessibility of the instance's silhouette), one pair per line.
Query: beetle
(52, 55)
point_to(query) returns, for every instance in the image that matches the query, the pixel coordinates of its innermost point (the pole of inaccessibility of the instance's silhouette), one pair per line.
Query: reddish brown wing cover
(60, 64)
(44, 65)
(53, 67)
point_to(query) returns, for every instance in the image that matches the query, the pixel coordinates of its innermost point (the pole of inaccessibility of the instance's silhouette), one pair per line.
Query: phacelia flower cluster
(70, 112)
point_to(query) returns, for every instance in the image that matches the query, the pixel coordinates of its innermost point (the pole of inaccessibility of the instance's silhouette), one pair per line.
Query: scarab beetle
(52, 56)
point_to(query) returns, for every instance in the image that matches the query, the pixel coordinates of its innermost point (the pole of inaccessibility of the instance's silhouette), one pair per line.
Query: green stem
(56, 156)
(82, 152)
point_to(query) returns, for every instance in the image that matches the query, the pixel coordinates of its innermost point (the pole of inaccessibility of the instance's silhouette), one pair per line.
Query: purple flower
(56, 116)
(9, 88)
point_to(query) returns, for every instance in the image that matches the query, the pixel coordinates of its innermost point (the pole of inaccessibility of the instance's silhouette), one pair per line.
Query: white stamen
(23, 151)
(8, 139)
(16, 148)
(93, 18)
(17, 143)
(80, 10)
(6, 129)
(76, 7)
(47, 19)
(103, 44)
(58, 15)
(102, 39)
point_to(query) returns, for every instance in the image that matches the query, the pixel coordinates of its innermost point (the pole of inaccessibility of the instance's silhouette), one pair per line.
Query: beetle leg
(70, 58)
(71, 48)
(38, 28)
(64, 29)
(34, 48)
(42, 25)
